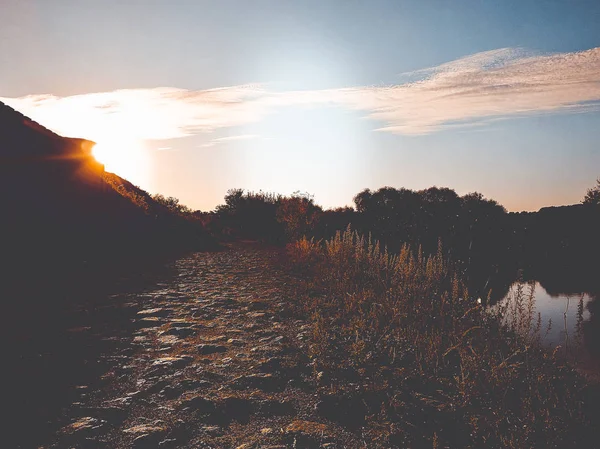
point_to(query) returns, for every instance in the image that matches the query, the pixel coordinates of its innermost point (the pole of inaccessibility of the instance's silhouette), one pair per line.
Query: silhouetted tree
(172, 204)
(592, 197)
(298, 214)
(251, 215)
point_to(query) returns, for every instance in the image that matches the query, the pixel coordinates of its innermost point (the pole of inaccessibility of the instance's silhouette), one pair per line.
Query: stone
(174, 362)
(146, 429)
(146, 441)
(168, 340)
(269, 365)
(182, 332)
(85, 424)
(155, 312)
(215, 431)
(111, 414)
(199, 404)
(149, 322)
(209, 348)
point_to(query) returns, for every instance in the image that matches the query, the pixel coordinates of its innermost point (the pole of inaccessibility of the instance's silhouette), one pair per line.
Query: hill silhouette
(62, 213)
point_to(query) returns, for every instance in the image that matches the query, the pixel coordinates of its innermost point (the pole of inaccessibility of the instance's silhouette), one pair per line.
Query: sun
(127, 158)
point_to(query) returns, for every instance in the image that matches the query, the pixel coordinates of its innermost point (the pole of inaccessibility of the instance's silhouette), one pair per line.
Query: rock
(154, 428)
(146, 441)
(217, 339)
(155, 312)
(124, 401)
(149, 322)
(208, 348)
(147, 436)
(199, 404)
(236, 342)
(214, 431)
(172, 391)
(113, 415)
(82, 425)
(269, 365)
(152, 389)
(266, 431)
(174, 362)
(169, 340)
(182, 332)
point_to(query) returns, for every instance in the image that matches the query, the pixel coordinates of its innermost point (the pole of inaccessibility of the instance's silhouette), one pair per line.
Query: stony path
(212, 360)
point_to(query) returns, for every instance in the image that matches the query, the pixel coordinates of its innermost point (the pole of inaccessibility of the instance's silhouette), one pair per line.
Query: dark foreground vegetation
(401, 347)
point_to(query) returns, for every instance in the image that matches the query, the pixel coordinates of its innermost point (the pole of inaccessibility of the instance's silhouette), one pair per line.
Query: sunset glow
(126, 158)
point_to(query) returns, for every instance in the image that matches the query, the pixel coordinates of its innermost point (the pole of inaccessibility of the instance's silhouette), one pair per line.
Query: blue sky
(316, 95)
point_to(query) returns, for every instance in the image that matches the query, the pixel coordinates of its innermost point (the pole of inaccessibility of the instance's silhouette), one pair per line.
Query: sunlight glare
(124, 157)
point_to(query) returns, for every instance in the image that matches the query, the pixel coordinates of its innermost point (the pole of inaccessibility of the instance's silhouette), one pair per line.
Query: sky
(329, 97)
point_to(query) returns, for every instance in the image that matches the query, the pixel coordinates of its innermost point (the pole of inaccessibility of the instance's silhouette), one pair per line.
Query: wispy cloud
(221, 140)
(495, 84)
(471, 90)
(153, 114)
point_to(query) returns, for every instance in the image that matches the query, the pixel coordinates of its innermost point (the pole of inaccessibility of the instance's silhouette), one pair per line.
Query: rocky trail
(208, 357)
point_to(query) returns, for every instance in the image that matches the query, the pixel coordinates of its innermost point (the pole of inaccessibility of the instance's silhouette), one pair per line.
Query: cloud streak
(490, 85)
(221, 140)
(151, 114)
(472, 90)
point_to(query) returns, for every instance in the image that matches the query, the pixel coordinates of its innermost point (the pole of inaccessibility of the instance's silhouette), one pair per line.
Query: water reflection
(560, 310)
(568, 319)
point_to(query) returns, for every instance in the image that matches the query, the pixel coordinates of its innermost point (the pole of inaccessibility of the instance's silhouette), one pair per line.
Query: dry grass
(435, 368)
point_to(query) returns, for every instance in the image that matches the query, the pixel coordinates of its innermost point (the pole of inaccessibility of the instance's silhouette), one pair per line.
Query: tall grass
(445, 372)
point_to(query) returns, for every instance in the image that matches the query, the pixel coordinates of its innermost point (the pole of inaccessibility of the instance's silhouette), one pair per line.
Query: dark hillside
(62, 213)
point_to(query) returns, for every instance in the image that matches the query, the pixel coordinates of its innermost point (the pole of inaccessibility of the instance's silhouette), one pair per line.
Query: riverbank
(402, 332)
